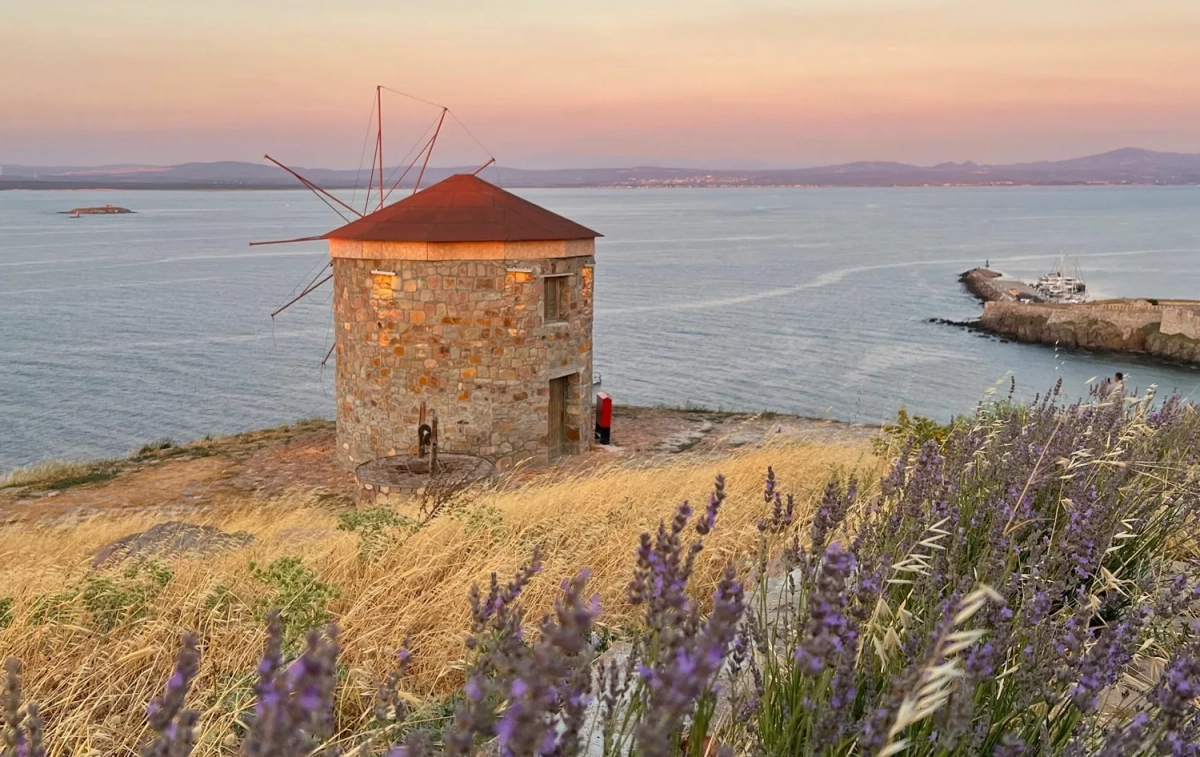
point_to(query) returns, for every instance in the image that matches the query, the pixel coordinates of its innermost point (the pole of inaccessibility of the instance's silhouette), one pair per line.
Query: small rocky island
(96, 211)
(1168, 329)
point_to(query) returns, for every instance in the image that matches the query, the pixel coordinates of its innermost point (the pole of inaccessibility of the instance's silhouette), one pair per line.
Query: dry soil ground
(262, 464)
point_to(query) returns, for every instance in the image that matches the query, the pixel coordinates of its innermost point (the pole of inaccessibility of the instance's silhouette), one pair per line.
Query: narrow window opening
(555, 298)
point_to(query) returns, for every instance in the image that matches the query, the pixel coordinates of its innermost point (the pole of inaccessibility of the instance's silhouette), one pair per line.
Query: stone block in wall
(1183, 322)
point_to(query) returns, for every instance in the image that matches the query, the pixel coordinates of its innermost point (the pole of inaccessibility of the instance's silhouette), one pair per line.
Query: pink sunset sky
(547, 83)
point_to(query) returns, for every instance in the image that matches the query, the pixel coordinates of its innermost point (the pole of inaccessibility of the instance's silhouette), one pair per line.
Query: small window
(556, 298)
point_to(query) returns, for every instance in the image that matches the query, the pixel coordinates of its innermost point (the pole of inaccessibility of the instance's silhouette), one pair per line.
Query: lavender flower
(662, 572)
(831, 511)
(495, 608)
(388, 701)
(22, 734)
(613, 683)
(1175, 698)
(545, 688)
(1068, 514)
(1101, 665)
(415, 745)
(173, 725)
(1127, 739)
(781, 517)
(687, 670)
(1011, 745)
(705, 524)
(294, 710)
(830, 635)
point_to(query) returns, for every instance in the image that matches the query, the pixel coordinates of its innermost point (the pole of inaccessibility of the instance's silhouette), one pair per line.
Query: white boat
(1059, 285)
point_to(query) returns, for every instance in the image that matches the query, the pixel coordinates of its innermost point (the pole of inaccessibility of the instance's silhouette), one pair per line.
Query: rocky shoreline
(1167, 329)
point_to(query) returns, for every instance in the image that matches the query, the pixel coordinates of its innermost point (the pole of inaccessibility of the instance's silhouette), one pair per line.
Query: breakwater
(990, 286)
(1166, 329)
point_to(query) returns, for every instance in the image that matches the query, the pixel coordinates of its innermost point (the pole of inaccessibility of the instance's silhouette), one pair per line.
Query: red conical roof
(462, 208)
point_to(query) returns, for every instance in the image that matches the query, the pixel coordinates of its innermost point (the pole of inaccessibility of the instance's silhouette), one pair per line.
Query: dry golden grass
(93, 686)
(44, 472)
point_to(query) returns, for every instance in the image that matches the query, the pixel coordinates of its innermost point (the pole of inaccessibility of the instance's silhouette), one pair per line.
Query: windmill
(461, 304)
(375, 183)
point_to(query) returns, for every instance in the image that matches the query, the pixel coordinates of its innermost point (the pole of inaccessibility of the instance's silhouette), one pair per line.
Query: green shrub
(158, 445)
(915, 428)
(104, 602)
(294, 590)
(479, 518)
(378, 528)
(111, 602)
(233, 693)
(220, 598)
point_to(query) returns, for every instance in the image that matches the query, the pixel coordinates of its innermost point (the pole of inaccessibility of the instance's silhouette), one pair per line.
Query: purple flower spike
(688, 667)
(173, 725)
(294, 707)
(545, 687)
(22, 734)
(705, 524)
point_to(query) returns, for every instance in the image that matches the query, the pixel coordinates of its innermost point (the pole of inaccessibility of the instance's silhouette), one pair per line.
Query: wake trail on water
(50, 265)
(130, 285)
(833, 277)
(126, 346)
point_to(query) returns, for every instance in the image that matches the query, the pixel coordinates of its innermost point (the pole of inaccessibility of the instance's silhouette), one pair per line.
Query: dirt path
(260, 465)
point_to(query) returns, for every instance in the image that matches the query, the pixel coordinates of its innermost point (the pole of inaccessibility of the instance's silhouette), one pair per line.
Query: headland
(164, 478)
(1168, 329)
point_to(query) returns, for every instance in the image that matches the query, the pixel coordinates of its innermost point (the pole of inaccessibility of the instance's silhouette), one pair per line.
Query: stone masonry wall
(467, 338)
(1168, 331)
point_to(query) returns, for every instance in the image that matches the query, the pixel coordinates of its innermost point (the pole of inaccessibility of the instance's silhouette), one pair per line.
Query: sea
(118, 330)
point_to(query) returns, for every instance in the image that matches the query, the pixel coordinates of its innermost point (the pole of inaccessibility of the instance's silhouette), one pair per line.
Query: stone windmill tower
(463, 301)
(474, 303)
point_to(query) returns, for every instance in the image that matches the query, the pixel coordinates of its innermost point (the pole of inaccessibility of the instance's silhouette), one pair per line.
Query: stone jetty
(1168, 329)
(990, 286)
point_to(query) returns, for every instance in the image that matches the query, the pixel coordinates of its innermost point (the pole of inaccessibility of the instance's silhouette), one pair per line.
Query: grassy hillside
(97, 645)
(1024, 581)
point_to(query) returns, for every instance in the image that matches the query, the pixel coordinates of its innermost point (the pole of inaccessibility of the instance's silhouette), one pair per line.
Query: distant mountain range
(1125, 166)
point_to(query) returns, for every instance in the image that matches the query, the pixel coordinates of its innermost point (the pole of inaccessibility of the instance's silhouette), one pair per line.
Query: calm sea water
(118, 330)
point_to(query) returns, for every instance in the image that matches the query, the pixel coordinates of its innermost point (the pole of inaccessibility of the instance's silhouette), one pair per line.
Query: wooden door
(557, 439)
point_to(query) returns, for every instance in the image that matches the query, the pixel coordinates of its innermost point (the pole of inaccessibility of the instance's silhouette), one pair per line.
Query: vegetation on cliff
(1022, 582)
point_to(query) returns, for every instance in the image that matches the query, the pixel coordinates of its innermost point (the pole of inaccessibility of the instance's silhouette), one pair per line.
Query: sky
(555, 83)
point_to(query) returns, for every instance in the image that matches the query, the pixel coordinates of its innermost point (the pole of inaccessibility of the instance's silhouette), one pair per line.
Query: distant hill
(1125, 166)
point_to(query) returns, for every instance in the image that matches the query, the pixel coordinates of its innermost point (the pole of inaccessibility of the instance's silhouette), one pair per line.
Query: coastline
(169, 477)
(73, 186)
(1165, 329)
